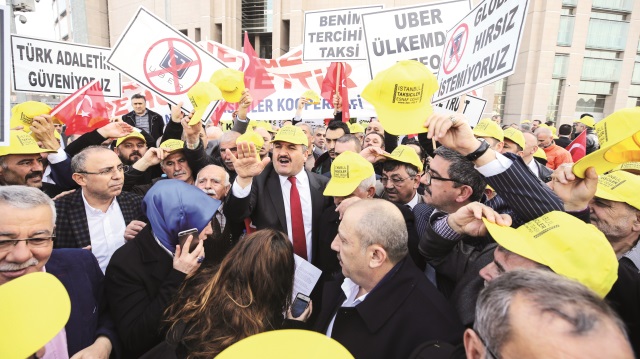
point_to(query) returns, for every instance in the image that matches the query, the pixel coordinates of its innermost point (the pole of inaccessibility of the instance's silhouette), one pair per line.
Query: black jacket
(156, 124)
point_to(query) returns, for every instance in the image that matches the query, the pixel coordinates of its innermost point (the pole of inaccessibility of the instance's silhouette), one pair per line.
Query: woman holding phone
(145, 274)
(247, 294)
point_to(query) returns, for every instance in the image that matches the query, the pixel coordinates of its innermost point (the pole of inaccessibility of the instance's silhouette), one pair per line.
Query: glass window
(601, 70)
(567, 11)
(633, 102)
(590, 103)
(257, 16)
(599, 54)
(634, 90)
(569, 3)
(554, 100)
(565, 32)
(606, 34)
(635, 78)
(560, 65)
(500, 96)
(608, 16)
(598, 88)
(620, 5)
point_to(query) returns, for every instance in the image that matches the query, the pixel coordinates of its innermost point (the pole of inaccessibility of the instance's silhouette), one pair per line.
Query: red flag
(578, 147)
(83, 111)
(256, 78)
(336, 72)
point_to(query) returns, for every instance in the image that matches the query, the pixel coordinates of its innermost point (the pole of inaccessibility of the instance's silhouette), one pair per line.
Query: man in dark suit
(26, 247)
(281, 195)
(98, 213)
(385, 307)
(145, 119)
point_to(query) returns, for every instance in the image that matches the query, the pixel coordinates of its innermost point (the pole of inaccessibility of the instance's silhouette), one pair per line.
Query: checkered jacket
(72, 230)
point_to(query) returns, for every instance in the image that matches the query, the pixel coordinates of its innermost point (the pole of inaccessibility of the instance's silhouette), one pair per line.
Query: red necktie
(297, 223)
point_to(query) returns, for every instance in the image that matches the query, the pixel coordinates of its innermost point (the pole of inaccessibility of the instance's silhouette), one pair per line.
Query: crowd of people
(177, 240)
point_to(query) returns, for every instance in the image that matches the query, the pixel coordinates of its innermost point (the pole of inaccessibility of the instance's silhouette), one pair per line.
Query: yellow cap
(540, 154)
(22, 114)
(587, 121)
(21, 143)
(620, 186)
(291, 134)
(56, 134)
(488, 128)
(201, 95)
(525, 121)
(632, 167)
(251, 136)
(33, 298)
(312, 96)
(565, 244)
(172, 145)
(134, 134)
(406, 154)
(286, 344)
(515, 135)
(619, 135)
(347, 171)
(230, 82)
(266, 125)
(401, 96)
(356, 128)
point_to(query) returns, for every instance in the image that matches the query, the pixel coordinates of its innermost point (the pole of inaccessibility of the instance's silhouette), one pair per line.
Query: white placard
(305, 277)
(335, 35)
(54, 67)
(482, 48)
(410, 33)
(473, 107)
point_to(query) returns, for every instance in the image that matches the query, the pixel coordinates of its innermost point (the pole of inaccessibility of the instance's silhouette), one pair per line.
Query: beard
(127, 160)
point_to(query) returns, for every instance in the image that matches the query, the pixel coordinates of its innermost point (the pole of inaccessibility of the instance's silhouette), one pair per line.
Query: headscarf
(173, 206)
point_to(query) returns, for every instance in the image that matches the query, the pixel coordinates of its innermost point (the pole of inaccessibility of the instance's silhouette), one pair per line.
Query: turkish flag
(578, 147)
(337, 70)
(83, 111)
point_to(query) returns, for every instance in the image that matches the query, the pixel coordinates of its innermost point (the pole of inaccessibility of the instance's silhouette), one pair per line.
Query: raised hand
(452, 131)
(247, 164)
(43, 131)
(468, 219)
(115, 130)
(244, 104)
(575, 192)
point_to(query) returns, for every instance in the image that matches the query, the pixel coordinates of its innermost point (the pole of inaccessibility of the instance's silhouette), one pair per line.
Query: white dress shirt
(534, 167)
(106, 231)
(413, 201)
(53, 158)
(302, 183)
(350, 290)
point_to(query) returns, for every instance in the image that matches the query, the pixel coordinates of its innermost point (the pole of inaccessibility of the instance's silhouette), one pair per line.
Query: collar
(413, 201)
(94, 211)
(634, 255)
(301, 177)
(351, 290)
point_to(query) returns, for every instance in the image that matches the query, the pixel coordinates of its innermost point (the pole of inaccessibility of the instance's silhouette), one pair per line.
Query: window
(601, 70)
(600, 54)
(634, 90)
(616, 5)
(590, 103)
(500, 96)
(573, 3)
(607, 34)
(560, 65)
(257, 16)
(197, 35)
(635, 78)
(185, 32)
(217, 37)
(633, 102)
(565, 32)
(598, 88)
(554, 100)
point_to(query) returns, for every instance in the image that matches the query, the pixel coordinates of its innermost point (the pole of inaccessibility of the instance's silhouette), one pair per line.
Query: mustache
(135, 153)
(33, 175)
(284, 158)
(179, 173)
(10, 267)
(210, 192)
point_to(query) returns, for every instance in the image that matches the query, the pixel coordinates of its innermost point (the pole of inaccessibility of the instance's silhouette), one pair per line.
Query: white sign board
(162, 59)
(335, 35)
(410, 33)
(5, 94)
(482, 48)
(472, 108)
(54, 67)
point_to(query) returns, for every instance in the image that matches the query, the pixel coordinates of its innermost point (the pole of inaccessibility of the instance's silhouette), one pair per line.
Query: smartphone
(299, 305)
(182, 238)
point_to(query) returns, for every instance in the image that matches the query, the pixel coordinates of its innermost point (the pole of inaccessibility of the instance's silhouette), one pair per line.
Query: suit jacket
(81, 276)
(140, 282)
(72, 229)
(401, 312)
(156, 125)
(265, 205)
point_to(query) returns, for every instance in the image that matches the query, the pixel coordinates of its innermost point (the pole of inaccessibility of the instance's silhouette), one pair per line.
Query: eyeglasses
(394, 181)
(39, 242)
(108, 171)
(428, 177)
(492, 354)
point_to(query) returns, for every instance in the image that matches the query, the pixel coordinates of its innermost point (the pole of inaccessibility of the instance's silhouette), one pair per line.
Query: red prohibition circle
(457, 54)
(173, 70)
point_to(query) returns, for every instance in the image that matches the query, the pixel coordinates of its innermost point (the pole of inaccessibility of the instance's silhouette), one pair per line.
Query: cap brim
(608, 195)
(197, 116)
(598, 159)
(337, 189)
(404, 122)
(514, 241)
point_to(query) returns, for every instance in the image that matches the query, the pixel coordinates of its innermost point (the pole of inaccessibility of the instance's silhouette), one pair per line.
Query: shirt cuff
(240, 192)
(441, 227)
(495, 167)
(238, 119)
(57, 157)
(297, 118)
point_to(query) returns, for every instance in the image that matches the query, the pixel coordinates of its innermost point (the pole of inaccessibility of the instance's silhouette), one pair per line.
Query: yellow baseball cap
(632, 167)
(587, 121)
(172, 145)
(22, 114)
(230, 82)
(619, 135)
(291, 134)
(286, 344)
(253, 137)
(620, 186)
(406, 154)
(515, 136)
(565, 244)
(201, 95)
(525, 121)
(312, 96)
(401, 96)
(134, 134)
(347, 171)
(488, 128)
(266, 125)
(356, 128)
(44, 301)
(21, 143)
(540, 154)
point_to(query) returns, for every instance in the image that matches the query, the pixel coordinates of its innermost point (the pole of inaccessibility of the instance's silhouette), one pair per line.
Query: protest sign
(335, 35)
(54, 67)
(482, 48)
(410, 33)
(472, 108)
(162, 59)
(5, 94)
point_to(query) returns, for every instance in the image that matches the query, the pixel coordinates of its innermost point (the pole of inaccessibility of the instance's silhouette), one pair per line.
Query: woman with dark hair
(145, 274)
(247, 294)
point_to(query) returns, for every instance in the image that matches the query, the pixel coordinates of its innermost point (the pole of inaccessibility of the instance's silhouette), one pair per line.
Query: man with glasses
(95, 216)
(401, 176)
(26, 246)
